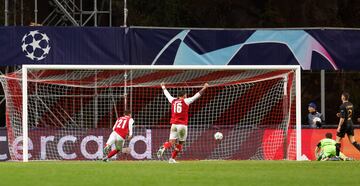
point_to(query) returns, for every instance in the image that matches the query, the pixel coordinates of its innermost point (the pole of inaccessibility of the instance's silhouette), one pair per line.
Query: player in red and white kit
(122, 130)
(179, 121)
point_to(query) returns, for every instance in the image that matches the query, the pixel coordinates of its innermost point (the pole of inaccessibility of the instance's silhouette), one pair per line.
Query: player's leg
(182, 138)
(350, 134)
(165, 146)
(339, 136)
(324, 156)
(172, 140)
(319, 155)
(330, 153)
(344, 157)
(338, 145)
(119, 143)
(325, 159)
(109, 143)
(118, 148)
(177, 149)
(353, 142)
(329, 156)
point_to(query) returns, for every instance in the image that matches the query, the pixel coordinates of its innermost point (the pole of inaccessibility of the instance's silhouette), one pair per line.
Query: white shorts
(179, 132)
(116, 139)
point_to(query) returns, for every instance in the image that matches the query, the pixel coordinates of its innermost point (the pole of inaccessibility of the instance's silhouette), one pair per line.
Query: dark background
(336, 82)
(216, 13)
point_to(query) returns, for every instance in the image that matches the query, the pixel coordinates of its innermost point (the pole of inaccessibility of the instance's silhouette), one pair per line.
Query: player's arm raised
(206, 85)
(166, 92)
(197, 95)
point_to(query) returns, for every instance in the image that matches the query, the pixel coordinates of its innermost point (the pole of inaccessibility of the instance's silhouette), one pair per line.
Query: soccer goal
(66, 112)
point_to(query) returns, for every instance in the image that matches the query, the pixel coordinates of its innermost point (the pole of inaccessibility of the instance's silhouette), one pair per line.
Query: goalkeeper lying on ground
(326, 150)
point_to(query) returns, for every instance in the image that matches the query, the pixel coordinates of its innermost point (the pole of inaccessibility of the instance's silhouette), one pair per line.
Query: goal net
(67, 112)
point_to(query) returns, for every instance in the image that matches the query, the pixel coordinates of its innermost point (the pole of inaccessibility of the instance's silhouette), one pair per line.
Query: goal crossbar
(163, 67)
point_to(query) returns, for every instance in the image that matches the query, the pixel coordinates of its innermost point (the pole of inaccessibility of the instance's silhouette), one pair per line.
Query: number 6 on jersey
(177, 107)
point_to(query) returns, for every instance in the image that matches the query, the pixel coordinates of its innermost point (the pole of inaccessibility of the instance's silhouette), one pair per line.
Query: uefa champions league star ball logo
(35, 45)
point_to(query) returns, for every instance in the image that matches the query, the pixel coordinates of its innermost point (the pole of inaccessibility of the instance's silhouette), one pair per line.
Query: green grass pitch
(186, 173)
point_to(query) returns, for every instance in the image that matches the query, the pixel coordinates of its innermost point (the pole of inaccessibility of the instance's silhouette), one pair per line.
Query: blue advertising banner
(312, 49)
(62, 45)
(229, 47)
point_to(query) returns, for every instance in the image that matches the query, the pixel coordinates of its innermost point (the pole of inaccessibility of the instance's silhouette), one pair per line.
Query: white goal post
(127, 83)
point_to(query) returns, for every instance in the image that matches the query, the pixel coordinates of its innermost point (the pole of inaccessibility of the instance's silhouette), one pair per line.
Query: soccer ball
(218, 136)
(35, 45)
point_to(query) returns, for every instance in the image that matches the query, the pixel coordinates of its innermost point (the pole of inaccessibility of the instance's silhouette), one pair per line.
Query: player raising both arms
(179, 120)
(345, 123)
(122, 130)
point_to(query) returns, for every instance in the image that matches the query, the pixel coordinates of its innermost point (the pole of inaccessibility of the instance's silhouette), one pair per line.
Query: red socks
(174, 154)
(167, 145)
(112, 153)
(178, 148)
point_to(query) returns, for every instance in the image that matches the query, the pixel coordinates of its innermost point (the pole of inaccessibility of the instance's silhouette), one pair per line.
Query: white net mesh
(71, 112)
